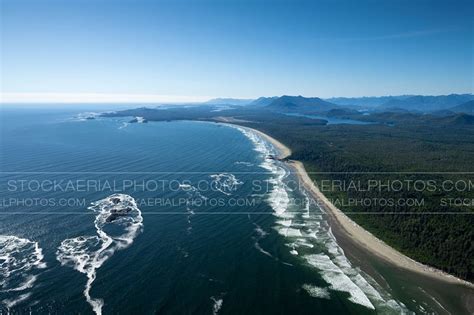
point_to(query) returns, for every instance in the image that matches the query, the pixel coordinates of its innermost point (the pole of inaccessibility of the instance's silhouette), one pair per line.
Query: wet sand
(367, 239)
(443, 292)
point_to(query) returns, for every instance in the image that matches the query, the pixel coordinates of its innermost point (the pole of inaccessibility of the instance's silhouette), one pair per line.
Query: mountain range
(457, 103)
(428, 103)
(366, 101)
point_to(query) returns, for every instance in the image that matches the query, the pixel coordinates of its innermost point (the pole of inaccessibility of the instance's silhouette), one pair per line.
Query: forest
(438, 230)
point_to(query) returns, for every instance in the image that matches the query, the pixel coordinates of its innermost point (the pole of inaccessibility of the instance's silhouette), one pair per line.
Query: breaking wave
(124, 125)
(278, 197)
(86, 116)
(20, 262)
(338, 280)
(118, 221)
(140, 120)
(310, 237)
(225, 183)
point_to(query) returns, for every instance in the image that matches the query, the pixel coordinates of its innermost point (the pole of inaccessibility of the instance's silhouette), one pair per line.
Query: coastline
(355, 232)
(282, 150)
(366, 239)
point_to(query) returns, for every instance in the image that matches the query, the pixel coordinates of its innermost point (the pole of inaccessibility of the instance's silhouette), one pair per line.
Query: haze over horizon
(143, 51)
(97, 98)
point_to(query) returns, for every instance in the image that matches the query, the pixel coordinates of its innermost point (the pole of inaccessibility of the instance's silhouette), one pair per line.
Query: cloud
(97, 98)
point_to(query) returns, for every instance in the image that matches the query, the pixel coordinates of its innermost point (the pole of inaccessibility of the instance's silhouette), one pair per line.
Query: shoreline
(282, 150)
(369, 241)
(355, 232)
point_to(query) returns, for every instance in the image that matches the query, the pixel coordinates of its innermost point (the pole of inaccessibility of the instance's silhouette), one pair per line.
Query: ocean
(100, 215)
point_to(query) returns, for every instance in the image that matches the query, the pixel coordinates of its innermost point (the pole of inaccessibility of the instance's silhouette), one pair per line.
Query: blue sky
(191, 50)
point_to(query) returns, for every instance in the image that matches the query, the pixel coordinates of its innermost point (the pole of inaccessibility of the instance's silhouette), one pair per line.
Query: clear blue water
(249, 244)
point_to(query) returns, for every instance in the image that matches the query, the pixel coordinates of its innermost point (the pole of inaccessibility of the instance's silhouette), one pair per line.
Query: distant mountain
(300, 104)
(263, 101)
(459, 103)
(428, 103)
(366, 101)
(467, 108)
(229, 101)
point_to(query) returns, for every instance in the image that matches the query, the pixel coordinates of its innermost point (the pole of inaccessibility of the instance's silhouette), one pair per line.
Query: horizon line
(118, 98)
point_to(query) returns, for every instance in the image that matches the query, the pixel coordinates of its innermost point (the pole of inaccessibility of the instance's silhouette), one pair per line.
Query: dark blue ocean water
(208, 225)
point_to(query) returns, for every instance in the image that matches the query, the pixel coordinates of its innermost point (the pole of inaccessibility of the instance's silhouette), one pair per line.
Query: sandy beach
(282, 150)
(367, 239)
(354, 231)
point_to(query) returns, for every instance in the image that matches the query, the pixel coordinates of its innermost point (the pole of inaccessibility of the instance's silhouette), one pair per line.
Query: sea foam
(317, 292)
(310, 232)
(87, 254)
(217, 304)
(338, 280)
(225, 183)
(20, 263)
(193, 196)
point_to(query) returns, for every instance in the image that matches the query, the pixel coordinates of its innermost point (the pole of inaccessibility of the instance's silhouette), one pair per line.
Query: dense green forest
(426, 150)
(445, 241)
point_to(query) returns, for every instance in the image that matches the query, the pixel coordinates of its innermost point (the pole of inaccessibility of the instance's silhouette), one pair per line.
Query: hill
(300, 104)
(461, 119)
(467, 108)
(428, 103)
(263, 101)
